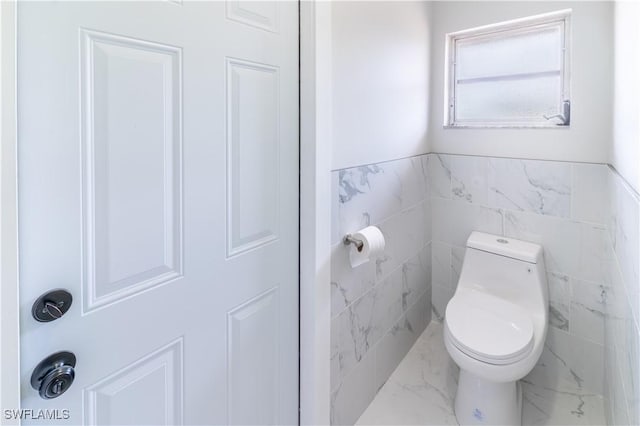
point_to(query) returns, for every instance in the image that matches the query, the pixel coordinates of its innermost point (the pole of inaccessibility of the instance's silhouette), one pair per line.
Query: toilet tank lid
(503, 246)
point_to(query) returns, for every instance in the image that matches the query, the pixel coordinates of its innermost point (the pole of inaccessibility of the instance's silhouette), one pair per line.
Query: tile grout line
(378, 282)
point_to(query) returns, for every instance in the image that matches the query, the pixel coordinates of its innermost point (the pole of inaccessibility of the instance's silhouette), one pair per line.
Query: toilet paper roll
(372, 245)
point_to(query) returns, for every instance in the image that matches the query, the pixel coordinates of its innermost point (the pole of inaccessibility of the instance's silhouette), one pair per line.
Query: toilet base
(482, 402)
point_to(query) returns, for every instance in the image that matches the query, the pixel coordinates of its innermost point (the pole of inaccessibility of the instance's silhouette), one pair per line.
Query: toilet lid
(489, 328)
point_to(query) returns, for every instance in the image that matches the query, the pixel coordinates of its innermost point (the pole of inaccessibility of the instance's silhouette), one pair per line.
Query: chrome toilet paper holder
(349, 239)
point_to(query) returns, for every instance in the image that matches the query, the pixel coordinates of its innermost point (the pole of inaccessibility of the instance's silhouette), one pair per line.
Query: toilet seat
(488, 328)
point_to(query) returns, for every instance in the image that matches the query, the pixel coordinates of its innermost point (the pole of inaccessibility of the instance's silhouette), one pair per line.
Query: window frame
(561, 18)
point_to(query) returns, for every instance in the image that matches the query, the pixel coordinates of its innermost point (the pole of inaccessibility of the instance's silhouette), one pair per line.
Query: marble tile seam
(378, 281)
(372, 350)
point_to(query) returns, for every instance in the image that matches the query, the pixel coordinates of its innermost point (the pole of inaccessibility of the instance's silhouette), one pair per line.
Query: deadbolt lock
(51, 305)
(54, 375)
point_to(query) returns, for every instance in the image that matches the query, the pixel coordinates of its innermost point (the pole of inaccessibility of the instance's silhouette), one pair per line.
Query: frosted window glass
(512, 76)
(529, 52)
(508, 100)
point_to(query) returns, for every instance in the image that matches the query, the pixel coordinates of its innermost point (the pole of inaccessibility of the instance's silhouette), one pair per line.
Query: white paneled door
(158, 185)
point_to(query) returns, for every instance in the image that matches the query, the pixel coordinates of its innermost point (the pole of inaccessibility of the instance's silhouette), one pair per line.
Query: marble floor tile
(551, 407)
(422, 389)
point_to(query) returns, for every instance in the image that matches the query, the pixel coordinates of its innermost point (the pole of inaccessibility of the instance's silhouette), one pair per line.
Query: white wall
(625, 150)
(589, 137)
(380, 81)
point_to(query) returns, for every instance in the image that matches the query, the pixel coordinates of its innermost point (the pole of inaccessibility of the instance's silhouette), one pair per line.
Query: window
(512, 74)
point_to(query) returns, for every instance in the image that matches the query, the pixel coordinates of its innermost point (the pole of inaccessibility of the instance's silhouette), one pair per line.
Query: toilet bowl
(495, 327)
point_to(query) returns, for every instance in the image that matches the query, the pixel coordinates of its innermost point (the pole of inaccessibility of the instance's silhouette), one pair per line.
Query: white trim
(315, 211)
(566, 57)
(543, 18)
(9, 302)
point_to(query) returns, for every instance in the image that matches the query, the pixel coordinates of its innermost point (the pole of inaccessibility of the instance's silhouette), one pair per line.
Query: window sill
(505, 126)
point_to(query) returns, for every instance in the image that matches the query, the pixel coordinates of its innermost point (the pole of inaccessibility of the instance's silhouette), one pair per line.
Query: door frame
(9, 302)
(315, 212)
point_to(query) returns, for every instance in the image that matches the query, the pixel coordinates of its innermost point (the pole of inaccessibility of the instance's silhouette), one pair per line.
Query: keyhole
(58, 386)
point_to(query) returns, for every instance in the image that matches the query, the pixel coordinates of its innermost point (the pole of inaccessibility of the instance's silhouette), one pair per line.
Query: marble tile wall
(561, 205)
(583, 214)
(621, 333)
(380, 308)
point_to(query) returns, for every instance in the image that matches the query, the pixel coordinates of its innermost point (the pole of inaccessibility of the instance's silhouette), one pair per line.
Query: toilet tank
(507, 268)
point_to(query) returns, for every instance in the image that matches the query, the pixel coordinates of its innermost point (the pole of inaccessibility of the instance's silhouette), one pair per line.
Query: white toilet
(495, 327)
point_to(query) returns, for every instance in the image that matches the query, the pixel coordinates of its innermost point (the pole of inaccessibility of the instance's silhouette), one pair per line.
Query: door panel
(253, 151)
(253, 361)
(149, 391)
(132, 143)
(260, 14)
(158, 170)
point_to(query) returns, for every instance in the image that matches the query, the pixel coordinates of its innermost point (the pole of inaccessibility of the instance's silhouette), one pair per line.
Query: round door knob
(56, 382)
(54, 375)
